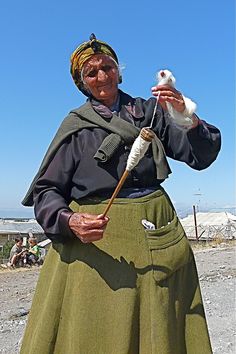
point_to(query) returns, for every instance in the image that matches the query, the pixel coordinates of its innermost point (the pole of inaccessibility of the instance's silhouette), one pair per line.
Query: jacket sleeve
(197, 147)
(52, 194)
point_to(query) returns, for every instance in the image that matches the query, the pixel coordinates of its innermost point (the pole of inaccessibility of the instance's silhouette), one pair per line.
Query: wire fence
(211, 232)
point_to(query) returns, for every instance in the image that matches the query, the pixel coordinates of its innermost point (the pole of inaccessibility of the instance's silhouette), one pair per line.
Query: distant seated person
(33, 251)
(16, 253)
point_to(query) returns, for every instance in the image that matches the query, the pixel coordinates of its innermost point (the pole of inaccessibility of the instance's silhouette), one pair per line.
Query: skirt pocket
(169, 248)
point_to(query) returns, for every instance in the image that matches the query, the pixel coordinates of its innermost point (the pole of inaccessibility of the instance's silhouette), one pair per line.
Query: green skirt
(136, 291)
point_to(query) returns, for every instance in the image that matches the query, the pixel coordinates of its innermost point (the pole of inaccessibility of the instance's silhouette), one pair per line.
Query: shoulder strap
(83, 117)
(115, 124)
(86, 117)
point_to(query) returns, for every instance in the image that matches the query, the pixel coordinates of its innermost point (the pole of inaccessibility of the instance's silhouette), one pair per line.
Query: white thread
(154, 111)
(137, 152)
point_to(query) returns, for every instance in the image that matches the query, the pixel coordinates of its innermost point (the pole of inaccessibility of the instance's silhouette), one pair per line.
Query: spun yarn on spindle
(137, 152)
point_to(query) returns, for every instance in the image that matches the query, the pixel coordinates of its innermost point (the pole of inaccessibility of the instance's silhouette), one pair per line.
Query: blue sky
(194, 39)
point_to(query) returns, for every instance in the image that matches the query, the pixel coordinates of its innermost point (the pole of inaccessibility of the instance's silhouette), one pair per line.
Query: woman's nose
(102, 75)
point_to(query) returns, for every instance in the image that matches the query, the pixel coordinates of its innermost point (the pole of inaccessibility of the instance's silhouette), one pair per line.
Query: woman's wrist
(195, 121)
(64, 226)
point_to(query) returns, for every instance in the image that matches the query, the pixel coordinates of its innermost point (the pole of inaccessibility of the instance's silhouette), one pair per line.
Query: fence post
(195, 222)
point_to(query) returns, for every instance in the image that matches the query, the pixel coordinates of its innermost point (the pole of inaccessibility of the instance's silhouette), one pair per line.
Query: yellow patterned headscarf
(85, 51)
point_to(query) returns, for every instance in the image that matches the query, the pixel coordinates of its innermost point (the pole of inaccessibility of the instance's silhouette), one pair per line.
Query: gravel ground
(217, 272)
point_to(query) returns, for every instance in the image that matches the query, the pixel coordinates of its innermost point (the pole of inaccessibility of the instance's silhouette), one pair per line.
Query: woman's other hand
(88, 227)
(171, 95)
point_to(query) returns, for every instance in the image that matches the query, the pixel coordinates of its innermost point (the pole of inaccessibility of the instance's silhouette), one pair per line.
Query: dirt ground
(217, 272)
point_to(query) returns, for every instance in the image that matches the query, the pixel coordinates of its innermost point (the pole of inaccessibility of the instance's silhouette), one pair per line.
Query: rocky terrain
(217, 272)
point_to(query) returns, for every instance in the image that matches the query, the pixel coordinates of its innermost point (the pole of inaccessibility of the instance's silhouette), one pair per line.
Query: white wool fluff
(165, 77)
(137, 152)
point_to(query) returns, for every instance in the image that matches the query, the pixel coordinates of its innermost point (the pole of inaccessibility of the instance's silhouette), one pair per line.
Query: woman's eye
(92, 73)
(106, 67)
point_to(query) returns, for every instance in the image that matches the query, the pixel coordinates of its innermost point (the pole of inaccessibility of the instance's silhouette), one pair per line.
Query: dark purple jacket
(74, 174)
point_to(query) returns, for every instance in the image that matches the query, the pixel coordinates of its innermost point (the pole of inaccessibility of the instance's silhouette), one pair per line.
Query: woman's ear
(119, 75)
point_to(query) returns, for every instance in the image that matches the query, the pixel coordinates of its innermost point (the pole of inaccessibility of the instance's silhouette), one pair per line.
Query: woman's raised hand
(171, 95)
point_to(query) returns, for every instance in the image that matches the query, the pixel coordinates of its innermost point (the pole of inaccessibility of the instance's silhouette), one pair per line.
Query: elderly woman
(116, 284)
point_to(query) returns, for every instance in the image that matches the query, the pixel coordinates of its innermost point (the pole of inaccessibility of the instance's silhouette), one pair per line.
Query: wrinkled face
(100, 76)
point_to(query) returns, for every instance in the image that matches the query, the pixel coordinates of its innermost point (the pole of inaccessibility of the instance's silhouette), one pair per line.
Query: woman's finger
(87, 221)
(169, 93)
(166, 90)
(88, 225)
(178, 104)
(164, 87)
(86, 239)
(163, 104)
(88, 232)
(102, 217)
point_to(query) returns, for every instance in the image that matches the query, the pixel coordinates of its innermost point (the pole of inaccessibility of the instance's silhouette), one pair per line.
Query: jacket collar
(126, 104)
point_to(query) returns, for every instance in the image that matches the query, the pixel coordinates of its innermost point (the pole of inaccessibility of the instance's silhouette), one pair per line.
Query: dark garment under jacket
(74, 174)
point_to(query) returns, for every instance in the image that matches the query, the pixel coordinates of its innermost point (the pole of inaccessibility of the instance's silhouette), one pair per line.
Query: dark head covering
(84, 52)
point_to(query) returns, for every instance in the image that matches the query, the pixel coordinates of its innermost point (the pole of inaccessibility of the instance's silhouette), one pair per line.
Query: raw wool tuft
(165, 77)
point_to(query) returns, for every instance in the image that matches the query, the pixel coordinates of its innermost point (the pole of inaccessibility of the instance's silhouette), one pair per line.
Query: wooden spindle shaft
(116, 191)
(147, 135)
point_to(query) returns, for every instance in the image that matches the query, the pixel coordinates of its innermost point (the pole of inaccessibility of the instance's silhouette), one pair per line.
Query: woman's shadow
(117, 273)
